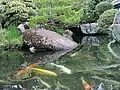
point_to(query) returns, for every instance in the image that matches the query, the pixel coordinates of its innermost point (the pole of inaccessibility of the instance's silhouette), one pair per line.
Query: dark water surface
(93, 61)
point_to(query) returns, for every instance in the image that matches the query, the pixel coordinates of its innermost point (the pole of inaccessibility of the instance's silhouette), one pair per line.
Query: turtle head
(22, 27)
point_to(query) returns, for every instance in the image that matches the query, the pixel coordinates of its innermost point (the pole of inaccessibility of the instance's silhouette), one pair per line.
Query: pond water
(93, 61)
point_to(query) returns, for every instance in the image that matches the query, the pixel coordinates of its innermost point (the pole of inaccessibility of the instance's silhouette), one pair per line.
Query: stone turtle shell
(46, 39)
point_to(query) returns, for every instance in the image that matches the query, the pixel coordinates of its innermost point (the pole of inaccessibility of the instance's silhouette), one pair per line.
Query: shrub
(10, 37)
(60, 10)
(15, 12)
(34, 20)
(103, 6)
(89, 11)
(78, 4)
(106, 19)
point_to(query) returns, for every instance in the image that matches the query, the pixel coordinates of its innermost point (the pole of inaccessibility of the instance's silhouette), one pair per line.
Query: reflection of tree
(9, 62)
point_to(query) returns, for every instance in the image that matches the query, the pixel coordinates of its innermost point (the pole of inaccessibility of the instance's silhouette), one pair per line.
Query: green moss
(106, 19)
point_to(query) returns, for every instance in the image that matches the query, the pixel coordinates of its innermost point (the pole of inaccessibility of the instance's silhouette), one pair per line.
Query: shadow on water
(91, 59)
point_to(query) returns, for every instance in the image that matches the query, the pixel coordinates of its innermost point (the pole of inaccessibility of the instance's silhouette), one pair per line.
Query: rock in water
(117, 18)
(46, 39)
(115, 27)
(90, 28)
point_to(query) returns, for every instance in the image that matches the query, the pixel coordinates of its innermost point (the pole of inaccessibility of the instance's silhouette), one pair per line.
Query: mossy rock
(106, 19)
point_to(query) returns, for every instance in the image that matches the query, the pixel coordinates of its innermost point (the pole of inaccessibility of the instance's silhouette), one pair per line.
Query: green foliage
(69, 16)
(54, 28)
(51, 3)
(13, 36)
(62, 10)
(10, 38)
(12, 32)
(89, 10)
(16, 11)
(34, 20)
(78, 4)
(103, 6)
(106, 19)
(3, 39)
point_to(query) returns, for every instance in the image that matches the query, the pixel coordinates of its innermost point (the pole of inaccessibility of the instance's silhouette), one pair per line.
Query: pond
(91, 60)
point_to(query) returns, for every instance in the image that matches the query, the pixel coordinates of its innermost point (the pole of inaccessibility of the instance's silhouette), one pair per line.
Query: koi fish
(63, 68)
(43, 72)
(85, 84)
(100, 87)
(45, 83)
(34, 64)
(21, 71)
(84, 55)
(28, 67)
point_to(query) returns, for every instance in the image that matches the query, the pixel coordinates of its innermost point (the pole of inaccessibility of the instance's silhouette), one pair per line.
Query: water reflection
(104, 68)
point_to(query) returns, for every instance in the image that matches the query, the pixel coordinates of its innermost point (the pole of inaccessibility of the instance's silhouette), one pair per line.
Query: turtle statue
(42, 39)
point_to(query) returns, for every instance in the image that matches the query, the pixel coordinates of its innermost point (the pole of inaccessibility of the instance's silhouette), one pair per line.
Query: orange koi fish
(34, 64)
(85, 84)
(84, 55)
(28, 67)
(21, 71)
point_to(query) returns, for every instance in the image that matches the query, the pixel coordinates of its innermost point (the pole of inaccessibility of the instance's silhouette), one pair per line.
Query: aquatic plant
(106, 19)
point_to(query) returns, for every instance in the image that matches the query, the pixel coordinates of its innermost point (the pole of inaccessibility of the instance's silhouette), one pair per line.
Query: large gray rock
(46, 39)
(115, 27)
(117, 18)
(90, 28)
(115, 2)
